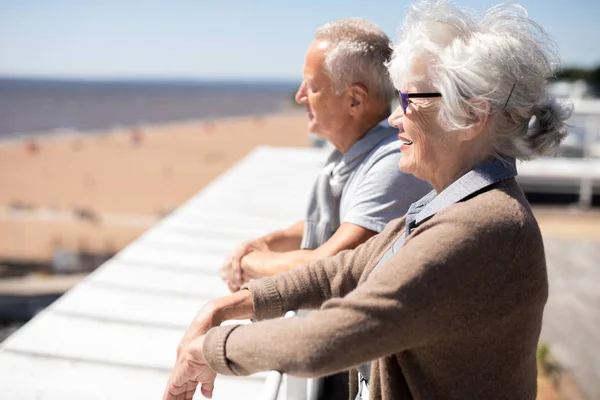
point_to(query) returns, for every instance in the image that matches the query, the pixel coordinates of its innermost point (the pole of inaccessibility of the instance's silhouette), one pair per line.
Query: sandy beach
(98, 192)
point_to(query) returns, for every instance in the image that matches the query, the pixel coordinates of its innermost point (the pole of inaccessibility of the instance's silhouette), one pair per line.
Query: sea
(50, 106)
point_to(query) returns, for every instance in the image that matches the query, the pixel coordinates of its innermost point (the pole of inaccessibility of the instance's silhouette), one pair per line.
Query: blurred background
(113, 113)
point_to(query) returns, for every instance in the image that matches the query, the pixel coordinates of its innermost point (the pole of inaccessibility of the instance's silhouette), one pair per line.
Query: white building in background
(569, 90)
(577, 170)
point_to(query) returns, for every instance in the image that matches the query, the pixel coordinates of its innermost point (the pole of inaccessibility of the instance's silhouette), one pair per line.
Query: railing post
(295, 388)
(587, 185)
(272, 385)
(274, 378)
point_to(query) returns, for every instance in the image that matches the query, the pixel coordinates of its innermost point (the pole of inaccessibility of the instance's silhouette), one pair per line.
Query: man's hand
(231, 271)
(189, 371)
(258, 264)
(280, 251)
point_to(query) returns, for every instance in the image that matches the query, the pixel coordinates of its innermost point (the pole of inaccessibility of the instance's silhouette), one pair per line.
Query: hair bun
(548, 127)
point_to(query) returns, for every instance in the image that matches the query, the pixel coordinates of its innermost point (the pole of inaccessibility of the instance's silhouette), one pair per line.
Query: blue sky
(223, 39)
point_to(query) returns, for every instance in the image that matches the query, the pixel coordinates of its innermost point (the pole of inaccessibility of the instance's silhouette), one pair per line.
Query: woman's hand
(191, 368)
(206, 318)
(189, 371)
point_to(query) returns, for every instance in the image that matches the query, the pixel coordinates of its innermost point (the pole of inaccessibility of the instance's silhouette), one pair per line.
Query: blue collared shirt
(479, 178)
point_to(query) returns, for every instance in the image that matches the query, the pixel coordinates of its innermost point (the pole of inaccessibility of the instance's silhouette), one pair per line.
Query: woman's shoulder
(496, 225)
(501, 208)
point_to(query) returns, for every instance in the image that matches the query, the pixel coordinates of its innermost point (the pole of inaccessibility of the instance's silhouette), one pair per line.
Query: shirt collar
(482, 176)
(365, 145)
(368, 140)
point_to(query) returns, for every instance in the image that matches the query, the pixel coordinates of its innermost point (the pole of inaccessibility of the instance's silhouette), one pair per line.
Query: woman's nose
(396, 118)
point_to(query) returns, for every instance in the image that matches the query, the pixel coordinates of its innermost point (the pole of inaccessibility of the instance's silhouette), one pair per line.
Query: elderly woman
(447, 302)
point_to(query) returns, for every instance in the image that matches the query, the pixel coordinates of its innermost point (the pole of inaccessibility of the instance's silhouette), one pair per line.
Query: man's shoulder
(381, 169)
(388, 151)
(389, 145)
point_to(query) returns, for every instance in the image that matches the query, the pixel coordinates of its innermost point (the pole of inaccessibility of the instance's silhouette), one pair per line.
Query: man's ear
(358, 96)
(477, 118)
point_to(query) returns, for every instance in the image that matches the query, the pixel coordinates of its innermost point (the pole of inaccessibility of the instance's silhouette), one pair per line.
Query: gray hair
(495, 63)
(358, 54)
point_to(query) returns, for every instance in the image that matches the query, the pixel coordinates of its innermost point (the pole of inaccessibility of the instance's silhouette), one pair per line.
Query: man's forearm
(288, 239)
(269, 263)
(281, 262)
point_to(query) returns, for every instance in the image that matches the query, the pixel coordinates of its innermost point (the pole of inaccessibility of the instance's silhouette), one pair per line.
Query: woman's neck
(447, 174)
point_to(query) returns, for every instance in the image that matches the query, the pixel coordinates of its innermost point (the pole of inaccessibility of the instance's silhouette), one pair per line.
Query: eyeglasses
(405, 96)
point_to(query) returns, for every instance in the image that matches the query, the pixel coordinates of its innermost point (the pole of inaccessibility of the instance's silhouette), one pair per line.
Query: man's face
(327, 112)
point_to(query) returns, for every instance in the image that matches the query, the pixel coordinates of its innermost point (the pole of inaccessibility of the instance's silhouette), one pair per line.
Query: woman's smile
(404, 142)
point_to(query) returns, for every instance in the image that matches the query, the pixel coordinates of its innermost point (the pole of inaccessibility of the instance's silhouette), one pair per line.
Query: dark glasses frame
(405, 96)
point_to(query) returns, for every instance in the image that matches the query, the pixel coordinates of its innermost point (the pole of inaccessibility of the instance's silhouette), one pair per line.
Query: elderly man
(347, 94)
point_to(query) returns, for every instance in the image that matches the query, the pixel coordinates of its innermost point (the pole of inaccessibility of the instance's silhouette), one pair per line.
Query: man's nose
(301, 94)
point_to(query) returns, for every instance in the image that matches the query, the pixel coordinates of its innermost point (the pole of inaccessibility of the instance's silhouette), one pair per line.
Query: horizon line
(157, 79)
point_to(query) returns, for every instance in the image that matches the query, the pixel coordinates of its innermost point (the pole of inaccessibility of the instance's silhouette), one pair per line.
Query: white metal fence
(576, 171)
(295, 388)
(274, 378)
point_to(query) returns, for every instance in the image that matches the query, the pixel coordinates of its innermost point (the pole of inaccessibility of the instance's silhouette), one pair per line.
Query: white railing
(586, 187)
(274, 378)
(576, 173)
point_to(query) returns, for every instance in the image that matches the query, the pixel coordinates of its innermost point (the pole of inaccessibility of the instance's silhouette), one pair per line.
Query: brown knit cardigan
(455, 314)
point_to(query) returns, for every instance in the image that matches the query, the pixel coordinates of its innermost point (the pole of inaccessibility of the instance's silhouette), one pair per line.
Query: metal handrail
(586, 189)
(274, 378)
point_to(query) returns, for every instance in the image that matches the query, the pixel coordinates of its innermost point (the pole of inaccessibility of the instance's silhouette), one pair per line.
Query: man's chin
(314, 129)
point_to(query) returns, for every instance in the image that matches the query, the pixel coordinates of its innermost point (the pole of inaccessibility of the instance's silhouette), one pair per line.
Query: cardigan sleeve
(309, 286)
(450, 277)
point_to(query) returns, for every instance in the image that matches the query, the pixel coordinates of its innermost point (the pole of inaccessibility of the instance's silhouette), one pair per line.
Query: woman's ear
(477, 117)
(358, 96)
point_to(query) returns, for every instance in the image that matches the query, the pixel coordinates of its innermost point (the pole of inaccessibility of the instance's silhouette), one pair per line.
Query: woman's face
(426, 146)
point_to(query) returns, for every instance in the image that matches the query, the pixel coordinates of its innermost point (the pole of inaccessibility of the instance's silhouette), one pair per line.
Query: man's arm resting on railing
(280, 241)
(288, 239)
(309, 286)
(268, 263)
